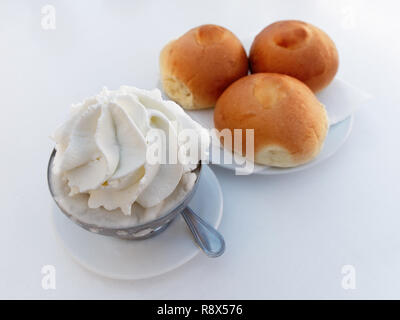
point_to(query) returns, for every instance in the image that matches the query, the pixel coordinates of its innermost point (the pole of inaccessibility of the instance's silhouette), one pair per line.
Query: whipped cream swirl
(102, 148)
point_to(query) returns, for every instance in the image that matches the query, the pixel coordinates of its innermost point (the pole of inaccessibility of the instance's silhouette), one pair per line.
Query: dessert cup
(207, 238)
(141, 231)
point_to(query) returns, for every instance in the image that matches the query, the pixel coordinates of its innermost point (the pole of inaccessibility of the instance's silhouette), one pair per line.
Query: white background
(287, 236)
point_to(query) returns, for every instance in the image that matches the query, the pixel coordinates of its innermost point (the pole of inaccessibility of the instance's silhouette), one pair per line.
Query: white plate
(124, 259)
(341, 100)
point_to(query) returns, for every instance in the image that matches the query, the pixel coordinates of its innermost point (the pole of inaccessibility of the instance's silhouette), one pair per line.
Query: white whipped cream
(102, 148)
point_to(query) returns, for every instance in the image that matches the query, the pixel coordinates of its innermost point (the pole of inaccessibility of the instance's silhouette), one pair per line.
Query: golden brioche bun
(197, 67)
(297, 49)
(289, 123)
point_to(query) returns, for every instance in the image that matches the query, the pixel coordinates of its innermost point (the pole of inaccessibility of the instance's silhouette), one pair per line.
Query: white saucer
(130, 260)
(341, 100)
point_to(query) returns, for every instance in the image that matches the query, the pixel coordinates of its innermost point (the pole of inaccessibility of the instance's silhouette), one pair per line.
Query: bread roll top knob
(294, 37)
(210, 34)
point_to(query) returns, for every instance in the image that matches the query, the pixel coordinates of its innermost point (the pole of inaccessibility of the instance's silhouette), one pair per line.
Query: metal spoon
(209, 240)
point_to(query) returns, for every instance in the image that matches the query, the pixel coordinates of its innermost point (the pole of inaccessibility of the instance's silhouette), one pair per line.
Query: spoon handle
(208, 239)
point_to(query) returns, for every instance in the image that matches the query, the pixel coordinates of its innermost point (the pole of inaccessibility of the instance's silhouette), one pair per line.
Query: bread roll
(289, 123)
(297, 49)
(197, 67)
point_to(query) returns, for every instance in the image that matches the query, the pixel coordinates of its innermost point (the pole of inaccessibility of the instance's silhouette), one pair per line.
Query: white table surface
(287, 236)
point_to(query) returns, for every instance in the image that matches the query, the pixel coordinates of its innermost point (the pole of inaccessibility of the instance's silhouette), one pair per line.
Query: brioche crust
(290, 124)
(297, 49)
(197, 67)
